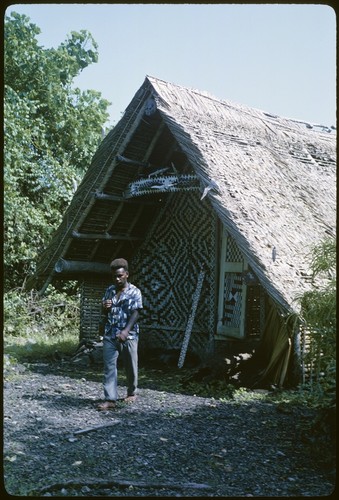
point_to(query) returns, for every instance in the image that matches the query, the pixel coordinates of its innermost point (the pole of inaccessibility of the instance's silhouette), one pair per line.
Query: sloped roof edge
(191, 115)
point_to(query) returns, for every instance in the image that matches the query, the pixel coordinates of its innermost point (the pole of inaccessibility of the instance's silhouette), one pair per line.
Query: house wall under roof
(184, 237)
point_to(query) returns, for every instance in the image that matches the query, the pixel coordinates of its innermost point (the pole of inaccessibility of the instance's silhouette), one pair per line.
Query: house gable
(271, 181)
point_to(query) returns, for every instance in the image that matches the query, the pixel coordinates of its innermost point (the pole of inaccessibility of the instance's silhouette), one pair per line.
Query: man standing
(121, 305)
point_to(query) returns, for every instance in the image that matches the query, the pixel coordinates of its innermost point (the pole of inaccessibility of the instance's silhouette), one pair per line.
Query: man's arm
(125, 331)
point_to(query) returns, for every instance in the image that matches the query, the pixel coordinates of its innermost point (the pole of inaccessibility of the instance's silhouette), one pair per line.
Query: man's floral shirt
(122, 309)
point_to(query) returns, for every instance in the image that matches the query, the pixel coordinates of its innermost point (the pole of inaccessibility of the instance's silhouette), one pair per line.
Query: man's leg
(130, 351)
(110, 355)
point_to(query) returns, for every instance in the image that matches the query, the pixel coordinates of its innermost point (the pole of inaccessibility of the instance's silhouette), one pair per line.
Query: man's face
(120, 277)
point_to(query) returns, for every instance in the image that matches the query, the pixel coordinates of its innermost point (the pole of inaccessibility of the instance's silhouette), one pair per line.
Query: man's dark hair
(118, 263)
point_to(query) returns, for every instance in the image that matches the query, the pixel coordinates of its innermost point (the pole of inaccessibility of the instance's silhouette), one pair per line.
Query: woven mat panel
(91, 293)
(151, 338)
(310, 358)
(166, 269)
(254, 305)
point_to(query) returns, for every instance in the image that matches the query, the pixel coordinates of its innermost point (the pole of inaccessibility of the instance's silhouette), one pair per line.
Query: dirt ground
(167, 443)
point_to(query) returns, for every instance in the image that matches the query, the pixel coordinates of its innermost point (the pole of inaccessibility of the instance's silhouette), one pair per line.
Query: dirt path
(165, 444)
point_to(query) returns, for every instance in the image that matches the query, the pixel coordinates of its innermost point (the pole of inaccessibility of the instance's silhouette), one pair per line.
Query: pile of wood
(89, 352)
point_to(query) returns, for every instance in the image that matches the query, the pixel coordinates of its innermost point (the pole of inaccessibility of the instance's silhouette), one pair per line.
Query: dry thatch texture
(276, 180)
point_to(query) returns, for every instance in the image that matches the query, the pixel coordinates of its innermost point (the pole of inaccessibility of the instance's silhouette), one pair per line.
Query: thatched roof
(274, 183)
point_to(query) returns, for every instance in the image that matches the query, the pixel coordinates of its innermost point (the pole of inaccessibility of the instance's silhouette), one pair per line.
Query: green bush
(318, 315)
(35, 326)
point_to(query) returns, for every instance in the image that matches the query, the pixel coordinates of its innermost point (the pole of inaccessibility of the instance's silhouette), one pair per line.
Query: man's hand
(122, 336)
(107, 304)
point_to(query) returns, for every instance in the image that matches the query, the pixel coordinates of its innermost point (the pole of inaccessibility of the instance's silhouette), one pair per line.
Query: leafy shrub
(318, 314)
(34, 325)
(218, 389)
(51, 129)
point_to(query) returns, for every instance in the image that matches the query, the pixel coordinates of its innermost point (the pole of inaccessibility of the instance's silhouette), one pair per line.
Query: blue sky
(280, 58)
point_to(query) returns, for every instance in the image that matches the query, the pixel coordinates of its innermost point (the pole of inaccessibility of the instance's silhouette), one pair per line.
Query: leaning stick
(90, 429)
(190, 321)
(78, 483)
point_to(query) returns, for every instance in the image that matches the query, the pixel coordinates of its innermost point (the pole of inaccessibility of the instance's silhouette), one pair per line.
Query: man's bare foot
(107, 405)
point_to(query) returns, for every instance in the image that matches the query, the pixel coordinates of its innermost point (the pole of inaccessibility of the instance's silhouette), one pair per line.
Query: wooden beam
(136, 218)
(108, 197)
(153, 142)
(121, 199)
(77, 266)
(137, 163)
(103, 236)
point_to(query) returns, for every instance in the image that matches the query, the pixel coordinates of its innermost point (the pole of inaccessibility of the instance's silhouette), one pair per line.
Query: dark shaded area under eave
(122, 225)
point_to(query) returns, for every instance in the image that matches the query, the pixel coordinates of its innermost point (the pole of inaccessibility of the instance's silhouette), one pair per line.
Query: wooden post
(73, 266)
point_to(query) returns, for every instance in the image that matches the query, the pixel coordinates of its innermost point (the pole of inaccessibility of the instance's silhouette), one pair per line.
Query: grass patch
(38, 347)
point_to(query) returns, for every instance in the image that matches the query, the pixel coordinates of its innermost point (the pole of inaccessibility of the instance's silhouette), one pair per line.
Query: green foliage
(51, 132)
(35, 326)
(218, 389)
(318, 314)
(324, 259)
(319, 305)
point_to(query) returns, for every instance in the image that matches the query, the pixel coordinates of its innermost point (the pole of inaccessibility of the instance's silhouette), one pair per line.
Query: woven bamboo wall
(166, 269)
(166, 266)
(255, 311)
(92, 291)
(310, 358)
